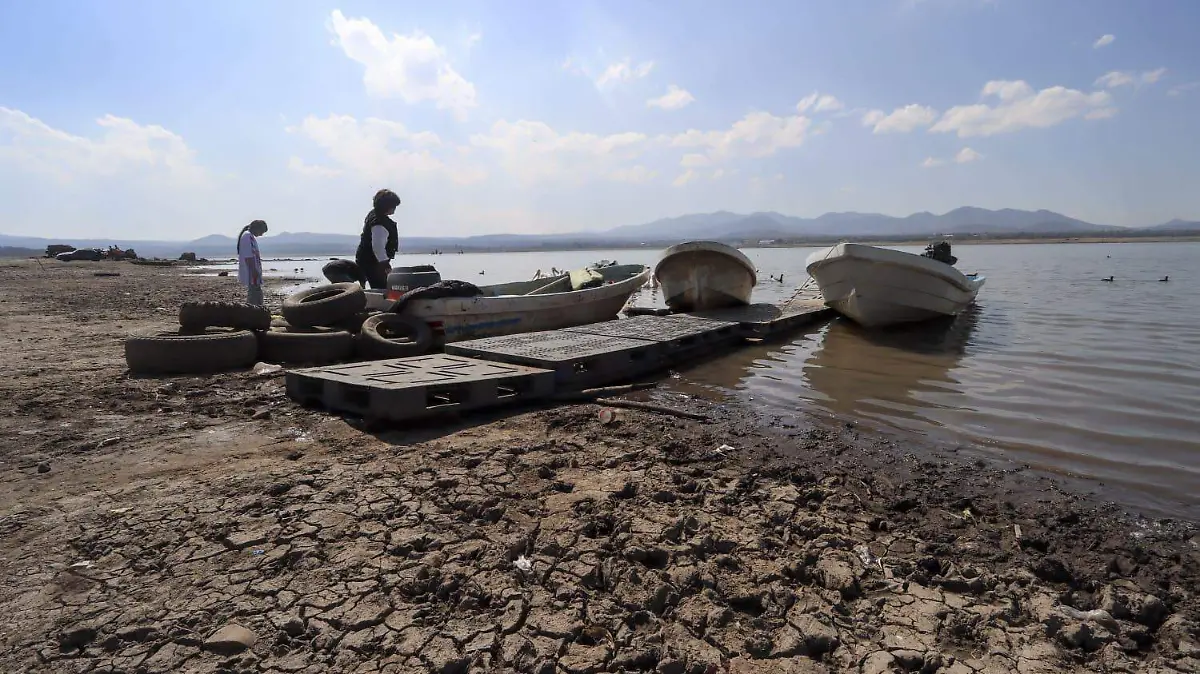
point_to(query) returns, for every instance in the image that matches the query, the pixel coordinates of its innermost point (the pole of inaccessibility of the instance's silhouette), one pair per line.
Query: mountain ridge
(721, 225)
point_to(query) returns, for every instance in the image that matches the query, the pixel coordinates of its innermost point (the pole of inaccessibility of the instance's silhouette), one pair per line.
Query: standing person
(379, 242)
(250, 272)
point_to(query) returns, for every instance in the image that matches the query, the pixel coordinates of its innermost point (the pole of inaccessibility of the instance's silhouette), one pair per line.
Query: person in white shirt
(250, 272)
(379, 242)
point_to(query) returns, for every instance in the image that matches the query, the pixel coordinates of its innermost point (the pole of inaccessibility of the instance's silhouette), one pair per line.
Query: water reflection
(895, 377)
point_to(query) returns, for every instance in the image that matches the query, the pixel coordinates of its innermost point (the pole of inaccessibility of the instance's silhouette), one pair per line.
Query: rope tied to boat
(804, 286)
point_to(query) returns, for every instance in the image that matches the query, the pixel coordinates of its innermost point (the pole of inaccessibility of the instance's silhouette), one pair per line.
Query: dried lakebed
(227, 530)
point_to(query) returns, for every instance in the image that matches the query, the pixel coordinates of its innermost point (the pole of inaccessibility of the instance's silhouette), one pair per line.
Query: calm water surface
(1052, 367)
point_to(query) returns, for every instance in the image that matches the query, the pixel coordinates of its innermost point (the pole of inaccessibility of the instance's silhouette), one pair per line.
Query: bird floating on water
(1109, 279)
(1164, 279)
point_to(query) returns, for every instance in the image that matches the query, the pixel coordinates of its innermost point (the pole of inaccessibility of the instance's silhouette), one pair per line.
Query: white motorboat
(575, 298)
(702, 275)
(877, 287)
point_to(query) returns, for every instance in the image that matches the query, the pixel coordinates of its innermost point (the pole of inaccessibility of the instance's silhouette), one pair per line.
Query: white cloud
(1153, 76)
(532, 151)
(902, 120)
(818, 102)
(684, 178)
(674, 99)
(410, 67)
(122, 148)
(1182, 88)
(964, 156)
(623, 71)
(1114, 79)
(1124, 78)
(298, 165)
(382, 150)
(758, 134)
(1020, 107)
(695, 161)
(1103, 41)
(634, 174)
(967, 155)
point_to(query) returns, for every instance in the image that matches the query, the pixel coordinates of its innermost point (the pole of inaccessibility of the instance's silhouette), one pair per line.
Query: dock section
(404, 389)
(495, 371)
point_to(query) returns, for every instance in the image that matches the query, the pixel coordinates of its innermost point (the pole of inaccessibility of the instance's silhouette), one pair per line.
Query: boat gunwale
(943, 271)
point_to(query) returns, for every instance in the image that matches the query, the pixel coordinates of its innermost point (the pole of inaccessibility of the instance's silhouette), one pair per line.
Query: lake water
(1052, 368)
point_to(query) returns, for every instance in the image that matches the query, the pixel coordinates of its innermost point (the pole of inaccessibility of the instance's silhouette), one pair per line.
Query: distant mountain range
(723, 226)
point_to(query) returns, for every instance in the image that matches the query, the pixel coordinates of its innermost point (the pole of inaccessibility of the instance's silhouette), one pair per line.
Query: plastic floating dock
(404, 389)
(767, 320)
(683, 335)
(579, 360)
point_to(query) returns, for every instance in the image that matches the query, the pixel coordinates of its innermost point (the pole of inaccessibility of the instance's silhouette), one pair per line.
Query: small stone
(909, 660)
(294, 627)
(1152, 612)
(294, 455)
(230, 640)
(879, 662)
(670, 666)
(76, 637)
(43, 467)
(260, 415)
(664, 496)
(1052, 570)
(545, 472)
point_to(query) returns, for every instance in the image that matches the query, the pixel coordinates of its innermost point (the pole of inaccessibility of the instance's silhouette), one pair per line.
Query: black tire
(354, 324)
(393, 336)
(305, 346)
(324, 305)
(239, 315)
(166, 352)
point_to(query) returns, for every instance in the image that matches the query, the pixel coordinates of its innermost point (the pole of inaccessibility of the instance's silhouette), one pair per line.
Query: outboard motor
(940, 251)
(405, 279)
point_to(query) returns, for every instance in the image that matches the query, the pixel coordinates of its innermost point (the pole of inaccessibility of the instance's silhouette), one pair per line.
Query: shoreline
(816, 243)
(172, 508)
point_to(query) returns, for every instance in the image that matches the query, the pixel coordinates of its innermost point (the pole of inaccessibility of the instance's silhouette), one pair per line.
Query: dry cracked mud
(227, 530)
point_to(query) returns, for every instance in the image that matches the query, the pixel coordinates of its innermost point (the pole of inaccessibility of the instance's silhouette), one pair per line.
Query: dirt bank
(209, 525)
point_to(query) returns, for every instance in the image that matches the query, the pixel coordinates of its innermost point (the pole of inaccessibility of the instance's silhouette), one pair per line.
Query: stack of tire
(323, 325)
(330, 323)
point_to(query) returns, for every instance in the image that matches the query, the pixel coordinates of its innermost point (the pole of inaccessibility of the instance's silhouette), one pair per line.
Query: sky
(174, 120)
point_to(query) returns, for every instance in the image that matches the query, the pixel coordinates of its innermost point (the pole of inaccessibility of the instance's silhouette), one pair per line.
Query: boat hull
(704, 275)
(878, 287)
(506, 310)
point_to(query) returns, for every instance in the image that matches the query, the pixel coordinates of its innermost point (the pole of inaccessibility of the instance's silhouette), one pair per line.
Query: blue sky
(180, 119)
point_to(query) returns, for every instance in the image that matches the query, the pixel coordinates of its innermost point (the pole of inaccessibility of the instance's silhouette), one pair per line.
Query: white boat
(702, 275)
(877, 287)
(523, 306)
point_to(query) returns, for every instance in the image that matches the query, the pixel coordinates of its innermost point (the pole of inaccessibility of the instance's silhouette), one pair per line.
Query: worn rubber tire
(305, 346)
(381, 337)
(324, 305)
(354, 324)
(238, 315)
(168, 352)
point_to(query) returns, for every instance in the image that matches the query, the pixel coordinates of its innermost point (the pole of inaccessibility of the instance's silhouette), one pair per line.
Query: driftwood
(651, 407)
(593, 393)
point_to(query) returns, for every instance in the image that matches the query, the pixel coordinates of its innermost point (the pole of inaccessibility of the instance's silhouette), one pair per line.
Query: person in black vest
(379, 242)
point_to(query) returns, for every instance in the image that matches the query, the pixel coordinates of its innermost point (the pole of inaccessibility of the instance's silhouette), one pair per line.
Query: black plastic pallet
(767, 320)
(682, 335)
(579, 360)
(404, 389)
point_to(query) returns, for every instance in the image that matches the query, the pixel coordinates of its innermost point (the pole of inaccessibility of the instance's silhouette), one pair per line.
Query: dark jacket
(366, 252)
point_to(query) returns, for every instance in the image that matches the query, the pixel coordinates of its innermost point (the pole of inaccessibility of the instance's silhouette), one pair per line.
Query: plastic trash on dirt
(523, 564)
(266, 368)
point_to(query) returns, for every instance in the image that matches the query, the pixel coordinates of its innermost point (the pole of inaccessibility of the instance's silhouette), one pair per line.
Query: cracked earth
(209, 525)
